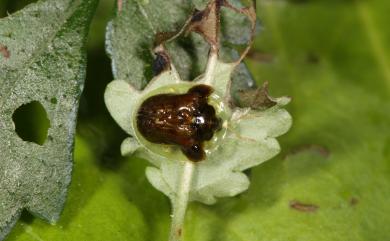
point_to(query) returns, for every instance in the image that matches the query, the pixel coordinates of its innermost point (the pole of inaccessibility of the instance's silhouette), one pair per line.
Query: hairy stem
(210, 68)
(179, 204)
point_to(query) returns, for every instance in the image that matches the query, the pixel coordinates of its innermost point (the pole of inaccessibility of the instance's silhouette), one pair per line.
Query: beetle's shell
(186, 120)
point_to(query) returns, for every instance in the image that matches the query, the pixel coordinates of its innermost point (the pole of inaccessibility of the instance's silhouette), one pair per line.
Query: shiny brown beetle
(186, 120)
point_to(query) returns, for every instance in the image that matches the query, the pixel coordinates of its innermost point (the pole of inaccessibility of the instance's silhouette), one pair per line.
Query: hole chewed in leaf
(31, 122)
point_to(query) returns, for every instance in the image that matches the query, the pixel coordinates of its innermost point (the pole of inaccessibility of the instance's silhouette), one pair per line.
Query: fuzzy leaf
(131, 34)
(340, 102)
(45, 63)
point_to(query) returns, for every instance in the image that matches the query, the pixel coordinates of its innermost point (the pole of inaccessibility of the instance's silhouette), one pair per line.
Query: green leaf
(42, 64)
(331, 184)
(249, 139)
(332, 58)
(97, 207)
(131, 34)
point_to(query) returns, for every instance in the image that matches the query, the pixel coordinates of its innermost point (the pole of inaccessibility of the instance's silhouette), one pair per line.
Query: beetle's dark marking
(4, 51)
(161, 63)
(186, 120)
(303, 207)
(202, 90)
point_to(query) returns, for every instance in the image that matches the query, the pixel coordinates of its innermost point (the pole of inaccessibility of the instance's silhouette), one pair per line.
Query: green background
(332, 58)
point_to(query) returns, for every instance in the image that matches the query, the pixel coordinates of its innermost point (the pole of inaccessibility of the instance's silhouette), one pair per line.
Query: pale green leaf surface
(220, 175)
(120, 106)
(45, 63)
(249, 139)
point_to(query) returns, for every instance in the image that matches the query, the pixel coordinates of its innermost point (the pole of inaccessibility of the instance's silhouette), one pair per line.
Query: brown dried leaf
(207, 23)
(258, 98)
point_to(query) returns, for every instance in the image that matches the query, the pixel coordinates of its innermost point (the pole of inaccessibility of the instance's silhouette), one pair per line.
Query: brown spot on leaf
(323, 151)
(353, 201)
(162, 37)
(261, 57)
(4, 51)
(179, 232)
(303, 207)
(120, 5)
(312, 58)
(256, 98)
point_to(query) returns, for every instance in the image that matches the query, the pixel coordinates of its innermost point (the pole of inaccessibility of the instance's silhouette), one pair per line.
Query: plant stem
(210, 68)
(179, 204)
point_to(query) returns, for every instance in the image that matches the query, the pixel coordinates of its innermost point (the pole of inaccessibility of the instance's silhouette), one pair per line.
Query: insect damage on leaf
(174, 123)
(247, 137)
(206, 23)
(258, 98)
(129, 42)
(46, 69)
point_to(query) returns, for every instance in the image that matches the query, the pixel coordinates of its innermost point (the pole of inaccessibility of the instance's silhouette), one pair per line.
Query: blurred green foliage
(332, 57)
